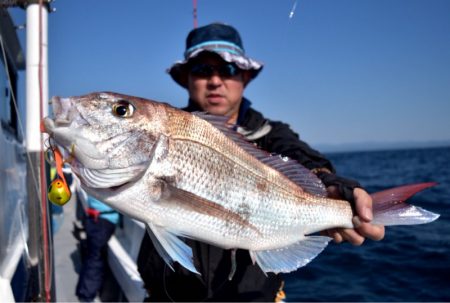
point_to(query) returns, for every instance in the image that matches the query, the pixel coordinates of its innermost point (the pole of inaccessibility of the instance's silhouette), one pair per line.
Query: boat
(40, 244)
(14, 219)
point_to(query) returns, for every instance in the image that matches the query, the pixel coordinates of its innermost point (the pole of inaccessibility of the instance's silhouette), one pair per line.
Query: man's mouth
(214, 98)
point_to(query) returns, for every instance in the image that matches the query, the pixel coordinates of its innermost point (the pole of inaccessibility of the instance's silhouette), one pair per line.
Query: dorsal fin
(296, 172)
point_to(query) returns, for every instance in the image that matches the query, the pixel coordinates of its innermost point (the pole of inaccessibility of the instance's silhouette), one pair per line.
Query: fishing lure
(58, 191)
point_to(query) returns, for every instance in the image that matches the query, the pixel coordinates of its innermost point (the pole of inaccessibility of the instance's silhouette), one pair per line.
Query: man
(215, 72)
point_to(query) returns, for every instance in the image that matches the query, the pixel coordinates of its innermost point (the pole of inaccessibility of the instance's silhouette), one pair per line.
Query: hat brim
(179, 70)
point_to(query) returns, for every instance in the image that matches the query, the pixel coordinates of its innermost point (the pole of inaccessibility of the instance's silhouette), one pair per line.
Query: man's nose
(215, 79)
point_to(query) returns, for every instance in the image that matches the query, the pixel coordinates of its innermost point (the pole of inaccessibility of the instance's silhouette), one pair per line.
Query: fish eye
(123, 109)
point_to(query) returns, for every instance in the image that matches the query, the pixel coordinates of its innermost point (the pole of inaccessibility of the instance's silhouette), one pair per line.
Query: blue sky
(338, 71)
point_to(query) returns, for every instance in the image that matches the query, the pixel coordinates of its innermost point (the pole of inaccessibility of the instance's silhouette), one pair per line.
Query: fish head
(109, 136)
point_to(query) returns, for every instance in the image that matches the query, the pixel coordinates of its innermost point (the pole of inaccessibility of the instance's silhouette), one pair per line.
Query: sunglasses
(206, 70)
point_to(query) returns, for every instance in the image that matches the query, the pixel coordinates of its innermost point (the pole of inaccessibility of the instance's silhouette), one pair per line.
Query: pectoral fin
(290, 258)
(171, 248)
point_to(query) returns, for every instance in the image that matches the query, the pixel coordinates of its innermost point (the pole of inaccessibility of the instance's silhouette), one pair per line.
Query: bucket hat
(221, 39)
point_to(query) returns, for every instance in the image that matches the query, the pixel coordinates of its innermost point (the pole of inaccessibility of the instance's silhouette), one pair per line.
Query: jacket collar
(248, 118)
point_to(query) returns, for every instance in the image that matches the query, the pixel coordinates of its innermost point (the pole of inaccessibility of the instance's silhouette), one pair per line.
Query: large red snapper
(191, 175)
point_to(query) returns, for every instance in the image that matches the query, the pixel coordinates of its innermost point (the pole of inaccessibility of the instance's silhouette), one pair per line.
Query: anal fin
(290, 258)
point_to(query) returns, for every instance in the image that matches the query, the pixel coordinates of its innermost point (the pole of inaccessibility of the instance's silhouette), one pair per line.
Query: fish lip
(64, 110)
(49, 125)
(57, 106)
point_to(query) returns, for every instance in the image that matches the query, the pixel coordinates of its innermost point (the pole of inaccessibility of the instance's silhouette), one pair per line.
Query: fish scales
(258, 190)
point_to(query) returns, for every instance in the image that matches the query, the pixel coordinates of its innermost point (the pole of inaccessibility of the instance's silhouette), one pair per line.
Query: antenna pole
(194, 12)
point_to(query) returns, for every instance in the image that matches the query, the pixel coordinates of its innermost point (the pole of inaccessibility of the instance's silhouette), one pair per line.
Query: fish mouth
(64, 110)
(49, 125)
(91, 162)
(77, 147)
(60, 130)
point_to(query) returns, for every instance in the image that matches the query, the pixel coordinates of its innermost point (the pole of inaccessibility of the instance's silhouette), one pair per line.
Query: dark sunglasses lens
(202, 70)
(205, 70)
(228, 70)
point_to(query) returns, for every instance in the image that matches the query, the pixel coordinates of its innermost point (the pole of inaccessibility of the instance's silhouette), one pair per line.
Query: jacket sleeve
(284, 141)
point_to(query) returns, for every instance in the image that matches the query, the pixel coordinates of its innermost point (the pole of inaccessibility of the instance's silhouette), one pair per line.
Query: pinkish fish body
(190, 175)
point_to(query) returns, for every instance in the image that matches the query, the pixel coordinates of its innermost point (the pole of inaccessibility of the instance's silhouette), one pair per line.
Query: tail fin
(389, 209)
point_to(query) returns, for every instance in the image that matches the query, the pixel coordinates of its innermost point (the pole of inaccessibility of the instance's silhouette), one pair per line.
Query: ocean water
(412, 263)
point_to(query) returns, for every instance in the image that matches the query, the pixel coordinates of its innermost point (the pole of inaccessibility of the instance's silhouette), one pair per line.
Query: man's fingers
(368, 230)
(335, 234)
(363, 204)
(350, 235)
(362, 226)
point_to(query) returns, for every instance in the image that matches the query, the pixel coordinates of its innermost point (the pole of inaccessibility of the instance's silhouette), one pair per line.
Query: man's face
(212, 88)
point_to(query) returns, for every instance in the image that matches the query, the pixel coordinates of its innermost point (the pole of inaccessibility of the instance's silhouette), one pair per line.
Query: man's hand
(363, 228)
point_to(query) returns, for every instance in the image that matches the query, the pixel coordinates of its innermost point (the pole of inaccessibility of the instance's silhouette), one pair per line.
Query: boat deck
(67, 258)
(122, 280)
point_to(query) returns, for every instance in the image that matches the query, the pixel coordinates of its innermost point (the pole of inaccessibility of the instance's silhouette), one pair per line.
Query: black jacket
(249, 282)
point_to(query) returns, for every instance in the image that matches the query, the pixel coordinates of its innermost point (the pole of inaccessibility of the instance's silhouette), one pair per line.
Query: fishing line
(19, 118)
(164, 284)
